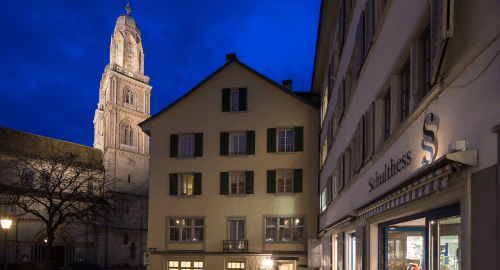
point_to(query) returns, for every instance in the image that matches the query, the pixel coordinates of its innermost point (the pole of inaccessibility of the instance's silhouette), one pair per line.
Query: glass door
(444, 240)
(404, 248)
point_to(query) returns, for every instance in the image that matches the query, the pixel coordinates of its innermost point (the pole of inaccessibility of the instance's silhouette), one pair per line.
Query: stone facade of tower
(124, 101)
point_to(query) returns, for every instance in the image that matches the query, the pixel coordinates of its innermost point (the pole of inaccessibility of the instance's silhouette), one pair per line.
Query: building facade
(233, 175)
(408, 146)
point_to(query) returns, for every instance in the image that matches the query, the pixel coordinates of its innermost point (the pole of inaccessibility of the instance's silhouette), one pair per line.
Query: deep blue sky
(53, 53)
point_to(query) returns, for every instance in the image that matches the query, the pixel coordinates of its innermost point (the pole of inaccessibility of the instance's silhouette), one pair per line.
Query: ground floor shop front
(429, 225)
(190, 260)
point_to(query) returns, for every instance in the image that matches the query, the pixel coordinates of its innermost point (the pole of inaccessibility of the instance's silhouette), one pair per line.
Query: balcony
(238, 246)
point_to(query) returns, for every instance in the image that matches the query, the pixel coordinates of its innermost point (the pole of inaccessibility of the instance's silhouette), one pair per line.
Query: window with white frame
(285, 181)
(186, 229)
(185, 265)
(238, 144)
(322, 200)
(186, 184)
(284, 229)
(235, 265)
(236, 228)
(285, 140)
(235, 100)
(237, 183)
(186, 145)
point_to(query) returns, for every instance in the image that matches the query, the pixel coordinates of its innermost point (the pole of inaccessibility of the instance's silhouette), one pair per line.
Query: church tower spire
(124, 101)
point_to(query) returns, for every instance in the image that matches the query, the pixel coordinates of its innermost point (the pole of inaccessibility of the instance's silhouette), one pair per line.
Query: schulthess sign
(390, 169)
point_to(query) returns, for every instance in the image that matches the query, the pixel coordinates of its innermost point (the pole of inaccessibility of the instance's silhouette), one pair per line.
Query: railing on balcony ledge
(235, 245)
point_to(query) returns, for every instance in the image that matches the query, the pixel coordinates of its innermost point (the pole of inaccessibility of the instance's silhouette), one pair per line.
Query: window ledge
(285, 153)
(185, 157)
(236, 156)
(238, 111)
(236, 195)
(189, 242)
(284, 194)
(185, 196)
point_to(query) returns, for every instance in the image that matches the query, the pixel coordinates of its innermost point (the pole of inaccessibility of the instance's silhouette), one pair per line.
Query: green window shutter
(224, 183)
(174, 145)
(297, 181)
(197, 184)
(251, 142)
(299, 138)
(224, 143)
(173, 184)
(271, 140)
(198, 144)
(243, 99)
(249, 182)
(271, 181)
(226, 97)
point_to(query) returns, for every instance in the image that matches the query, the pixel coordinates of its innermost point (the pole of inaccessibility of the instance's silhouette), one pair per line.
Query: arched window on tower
(128, 137)
(129, 96)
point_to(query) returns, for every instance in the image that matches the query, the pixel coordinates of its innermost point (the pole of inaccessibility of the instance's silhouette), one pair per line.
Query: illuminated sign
(429, 133)
(389, 171)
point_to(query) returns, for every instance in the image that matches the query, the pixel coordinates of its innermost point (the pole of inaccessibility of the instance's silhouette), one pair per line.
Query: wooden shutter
(249, 182)
(226, 97)
(197, 184)
(357, 56)
(198, 144)
(271, 181)
(368, 25)
(341, 100)
(329, 135)
(340, 251)
(340, 30)
(441, 30)
(360, 239)
(340, 176)
(299, 138)
(224, 143)
(359, 142)
(297, 181)
(251, 142)
(369, 132)
(271, 140)
(353, 161)
(243, 99)
(173, 184)
(329, 190)
(174, 145)
(224, 183)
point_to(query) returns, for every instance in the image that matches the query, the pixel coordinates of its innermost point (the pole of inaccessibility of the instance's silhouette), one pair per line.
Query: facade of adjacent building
(409, 125)
(233, 175)
(124, 101)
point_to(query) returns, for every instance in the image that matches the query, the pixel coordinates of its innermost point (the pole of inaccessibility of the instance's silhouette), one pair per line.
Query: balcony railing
(235, 245)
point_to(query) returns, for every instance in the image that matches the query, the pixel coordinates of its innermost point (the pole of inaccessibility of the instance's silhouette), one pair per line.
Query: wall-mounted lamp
(268, 262)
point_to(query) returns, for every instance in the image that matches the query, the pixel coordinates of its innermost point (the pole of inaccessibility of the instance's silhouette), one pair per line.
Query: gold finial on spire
(128, 9)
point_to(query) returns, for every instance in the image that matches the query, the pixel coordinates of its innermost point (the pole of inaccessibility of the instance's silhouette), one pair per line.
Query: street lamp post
(6, 226)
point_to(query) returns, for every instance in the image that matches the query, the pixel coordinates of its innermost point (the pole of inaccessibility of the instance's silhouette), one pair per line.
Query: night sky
(53, 53)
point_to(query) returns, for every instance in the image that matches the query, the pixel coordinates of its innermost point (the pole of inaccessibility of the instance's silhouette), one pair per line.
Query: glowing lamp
(268, 262)
(6, 223)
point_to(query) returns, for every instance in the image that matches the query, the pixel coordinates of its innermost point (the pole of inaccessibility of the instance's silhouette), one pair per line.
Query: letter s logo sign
(429, 133)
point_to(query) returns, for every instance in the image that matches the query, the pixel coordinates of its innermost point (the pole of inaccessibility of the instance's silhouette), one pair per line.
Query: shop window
(351, 251)
(235, 265)
(444, 241)
(185, 265)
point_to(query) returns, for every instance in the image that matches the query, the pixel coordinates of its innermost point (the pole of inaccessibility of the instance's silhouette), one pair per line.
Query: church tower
(124, 102)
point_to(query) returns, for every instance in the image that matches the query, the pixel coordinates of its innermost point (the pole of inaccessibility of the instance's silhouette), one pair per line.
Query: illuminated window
(351, 251)
(285, 140)
(186, 229)
(284, 229)
(186, 145)
(285, 181)
(322, 199)
(186, 184)
(128, 135)
(235, 265)
(237, 182)
(238, 144)
(185, 265)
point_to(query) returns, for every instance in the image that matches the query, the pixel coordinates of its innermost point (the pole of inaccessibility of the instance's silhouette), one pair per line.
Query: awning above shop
(427, 179)
(338, 224)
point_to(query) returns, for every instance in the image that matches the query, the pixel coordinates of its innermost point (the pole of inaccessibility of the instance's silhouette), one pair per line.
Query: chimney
(230, 56)
(287, 84)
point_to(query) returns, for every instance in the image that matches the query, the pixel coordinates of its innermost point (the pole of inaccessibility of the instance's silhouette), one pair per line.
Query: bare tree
(56, 185)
